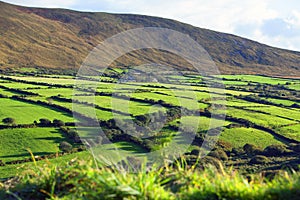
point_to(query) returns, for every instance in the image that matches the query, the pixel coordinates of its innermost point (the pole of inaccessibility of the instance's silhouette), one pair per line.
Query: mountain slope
(58, 38)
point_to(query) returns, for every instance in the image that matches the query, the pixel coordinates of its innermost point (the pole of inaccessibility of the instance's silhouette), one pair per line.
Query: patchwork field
(40, 116)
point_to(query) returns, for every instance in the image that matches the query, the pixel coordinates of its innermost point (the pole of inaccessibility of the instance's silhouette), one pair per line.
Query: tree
(58, 123)
(45, 122)
(65, 146)
(8, 120)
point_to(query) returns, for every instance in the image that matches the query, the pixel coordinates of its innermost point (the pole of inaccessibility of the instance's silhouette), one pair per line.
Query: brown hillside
(58, 38)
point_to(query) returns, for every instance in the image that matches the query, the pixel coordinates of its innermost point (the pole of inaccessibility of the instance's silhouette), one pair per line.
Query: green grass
(26, 113)
(293, 114)
(135, 108)
(281, 101)
(81, 180)
(222, 91)
(173, 184)
(49, 80)
(258, 79)
(238, 137)
(41, 141)
(28, 69)
(19, 169)
(239, 103)
(48, 92)
(7, 92)
(291, 131)
(294, 86)
(265, 120)
(104, 152)
(204, 123)
(17, 85)
(234, 83)
(174, 100)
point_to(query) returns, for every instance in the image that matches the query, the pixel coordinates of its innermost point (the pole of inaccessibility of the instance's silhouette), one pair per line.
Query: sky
(272, 22)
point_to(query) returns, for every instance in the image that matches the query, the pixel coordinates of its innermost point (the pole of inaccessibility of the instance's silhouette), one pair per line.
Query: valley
(41, 111)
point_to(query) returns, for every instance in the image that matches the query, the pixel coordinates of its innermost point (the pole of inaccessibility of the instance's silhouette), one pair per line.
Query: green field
(281, 101)
(258, 79)
(291, 131)
(262, 119)
(282, 117)
(238, 137)
(15, 143)
(18, 169)
(26, 113)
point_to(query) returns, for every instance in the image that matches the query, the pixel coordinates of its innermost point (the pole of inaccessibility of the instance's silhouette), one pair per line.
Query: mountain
(61, 39)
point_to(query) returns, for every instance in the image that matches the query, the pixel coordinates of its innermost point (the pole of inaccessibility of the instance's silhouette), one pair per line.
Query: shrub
(237, 151)
(259, 159)
(295, 147)
(58, 123)
(45, 122)
(275, 150)
(9, 120)
(226, 146)
(251, 149)
(271, 174)
(195, 151)
(209, 161)
(65, 146)
(220, 154)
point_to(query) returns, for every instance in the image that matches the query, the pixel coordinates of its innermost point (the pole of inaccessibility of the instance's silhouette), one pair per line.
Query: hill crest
(61, 39)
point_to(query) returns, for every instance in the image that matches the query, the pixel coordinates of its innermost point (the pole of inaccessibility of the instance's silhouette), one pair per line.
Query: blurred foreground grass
(82, 180)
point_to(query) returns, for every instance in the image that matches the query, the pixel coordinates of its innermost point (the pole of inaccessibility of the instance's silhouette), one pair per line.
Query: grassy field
(238, 137)
(291, 131)
(258, 79)
(18, 169)
(48, 143)
(262, 119)
(204, 123)
(281, 118)
(281, 101)
(17, 85)
(7, 92)
(41, 141)
(292, 114)
(26, 113)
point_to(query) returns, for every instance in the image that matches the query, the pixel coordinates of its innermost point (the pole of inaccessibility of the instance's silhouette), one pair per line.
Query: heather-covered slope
(58, 38)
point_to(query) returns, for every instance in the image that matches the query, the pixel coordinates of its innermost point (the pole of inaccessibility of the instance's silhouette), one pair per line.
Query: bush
(237, 151)
(209, 161)
(275, 150)
(195, 151)
(45, 122)
(65, 146)
(220, 154)
(251, 149)
(259, 159)
(58, 123)
(9, 120)
(226, 146)
(271, 174)
(295, 147)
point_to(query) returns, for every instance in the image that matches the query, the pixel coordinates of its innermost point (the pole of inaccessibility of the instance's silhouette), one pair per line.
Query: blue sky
(273, 22)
